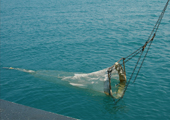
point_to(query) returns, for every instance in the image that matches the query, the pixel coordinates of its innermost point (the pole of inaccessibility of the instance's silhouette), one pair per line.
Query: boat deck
(14, 111)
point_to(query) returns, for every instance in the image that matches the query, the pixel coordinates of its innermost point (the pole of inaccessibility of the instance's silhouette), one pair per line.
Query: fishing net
(116, 91)
(91, 81)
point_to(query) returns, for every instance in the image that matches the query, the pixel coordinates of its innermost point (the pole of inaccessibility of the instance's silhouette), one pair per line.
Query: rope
(143, 47)
(142, 61)
(141, 50)
(153, 34)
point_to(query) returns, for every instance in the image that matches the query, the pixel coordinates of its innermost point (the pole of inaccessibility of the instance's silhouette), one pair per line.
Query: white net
(96, 81)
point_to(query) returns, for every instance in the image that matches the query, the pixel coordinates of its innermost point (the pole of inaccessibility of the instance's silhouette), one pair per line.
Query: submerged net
(92, 81)
(95, 81)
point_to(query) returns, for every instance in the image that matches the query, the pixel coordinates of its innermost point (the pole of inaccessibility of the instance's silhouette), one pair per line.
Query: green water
(69, 44)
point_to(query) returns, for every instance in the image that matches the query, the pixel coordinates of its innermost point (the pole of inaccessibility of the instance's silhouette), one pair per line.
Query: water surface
(73, 37)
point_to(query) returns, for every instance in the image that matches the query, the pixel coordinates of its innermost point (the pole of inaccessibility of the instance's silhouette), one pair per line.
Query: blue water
(64, 37)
